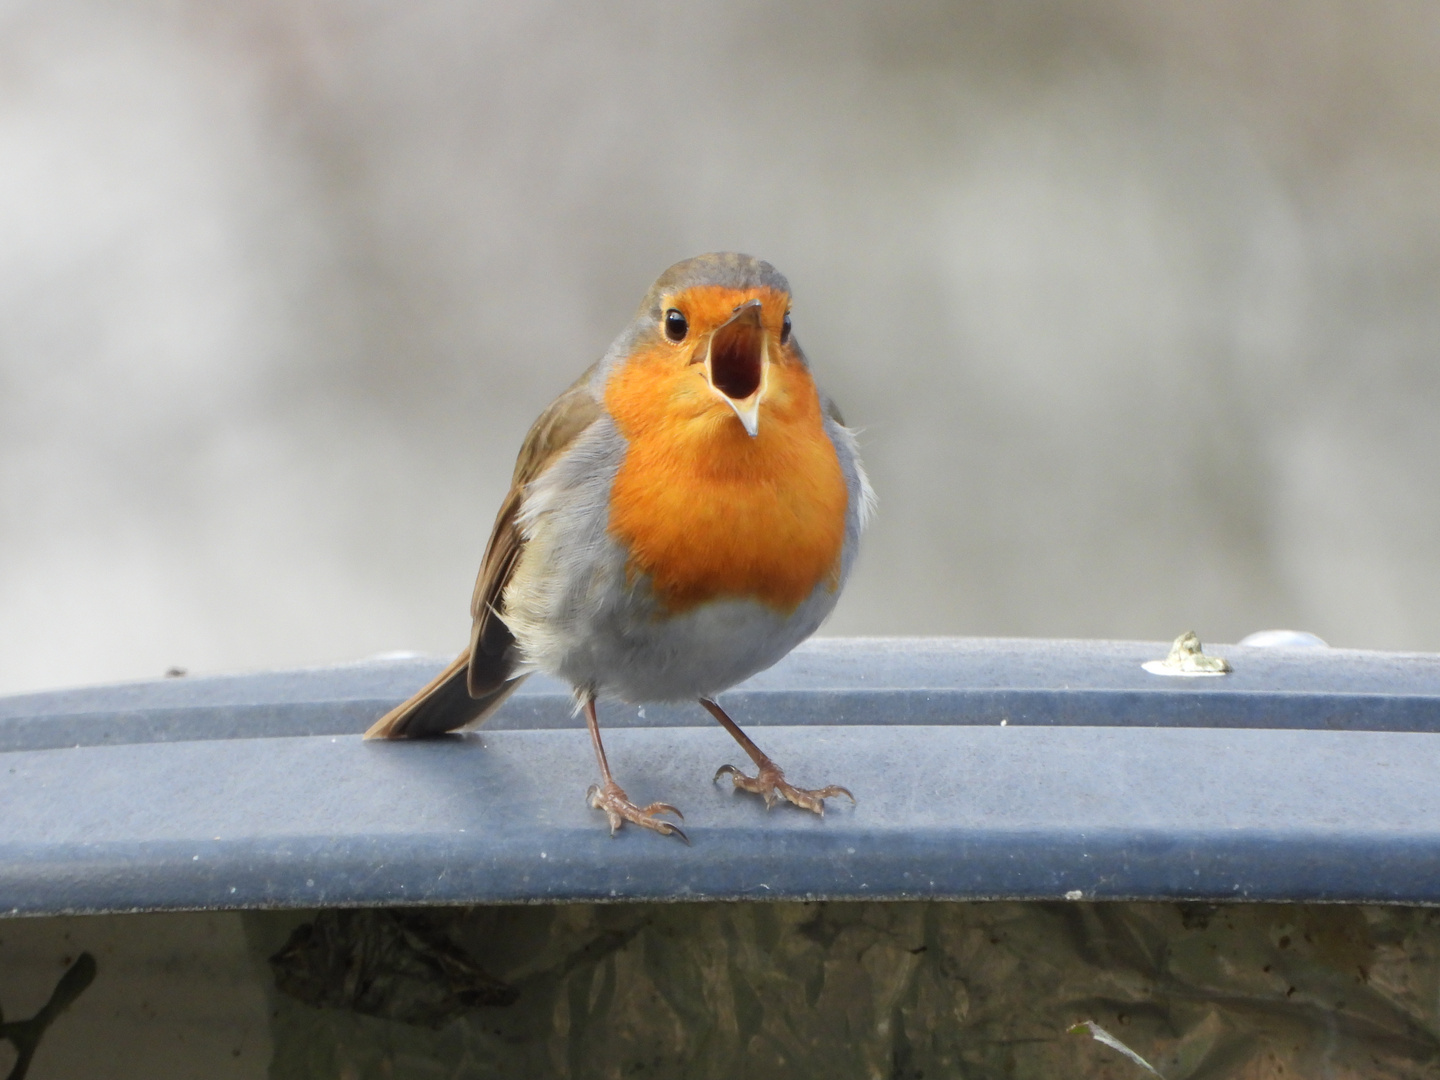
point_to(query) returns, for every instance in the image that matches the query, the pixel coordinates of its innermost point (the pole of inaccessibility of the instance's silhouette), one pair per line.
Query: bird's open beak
(737, 362)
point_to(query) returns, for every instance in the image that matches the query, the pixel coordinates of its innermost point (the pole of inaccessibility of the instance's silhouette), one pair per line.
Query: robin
(680, 518)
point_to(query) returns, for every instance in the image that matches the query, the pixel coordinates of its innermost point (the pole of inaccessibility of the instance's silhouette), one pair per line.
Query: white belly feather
(575, 615)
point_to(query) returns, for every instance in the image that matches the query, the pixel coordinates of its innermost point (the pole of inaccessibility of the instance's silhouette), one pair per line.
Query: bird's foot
(770, 784)
(611, 798)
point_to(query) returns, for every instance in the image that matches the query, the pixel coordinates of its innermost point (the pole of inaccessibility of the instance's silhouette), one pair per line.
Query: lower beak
(737, 362)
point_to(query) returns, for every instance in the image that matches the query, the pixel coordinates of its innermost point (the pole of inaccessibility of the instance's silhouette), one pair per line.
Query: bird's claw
(770, 784)
(619, 809)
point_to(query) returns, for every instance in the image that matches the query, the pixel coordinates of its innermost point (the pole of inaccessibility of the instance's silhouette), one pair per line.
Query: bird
(679, 519)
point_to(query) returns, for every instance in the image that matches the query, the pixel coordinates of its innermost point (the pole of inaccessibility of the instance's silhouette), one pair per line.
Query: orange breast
(707, 511)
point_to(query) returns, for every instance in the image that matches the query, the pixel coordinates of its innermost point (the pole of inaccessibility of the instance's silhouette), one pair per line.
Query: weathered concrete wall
(903, 991)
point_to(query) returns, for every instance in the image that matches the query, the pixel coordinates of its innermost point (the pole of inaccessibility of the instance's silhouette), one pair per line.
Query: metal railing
(983, 769)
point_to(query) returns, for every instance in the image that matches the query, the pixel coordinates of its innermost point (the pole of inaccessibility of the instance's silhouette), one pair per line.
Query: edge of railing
(983, 768)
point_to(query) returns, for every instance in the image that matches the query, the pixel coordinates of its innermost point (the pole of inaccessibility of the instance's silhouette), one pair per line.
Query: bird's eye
(675, 325)
(785, 329)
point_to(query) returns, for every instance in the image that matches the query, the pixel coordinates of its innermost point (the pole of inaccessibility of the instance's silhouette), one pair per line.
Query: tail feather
(443, 704)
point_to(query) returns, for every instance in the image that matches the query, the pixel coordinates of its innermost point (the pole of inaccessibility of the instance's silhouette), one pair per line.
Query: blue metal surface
(836, 681)
(1305, 775)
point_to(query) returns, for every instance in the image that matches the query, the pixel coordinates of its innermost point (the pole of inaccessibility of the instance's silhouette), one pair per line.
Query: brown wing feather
(481, 678)
(490, 640)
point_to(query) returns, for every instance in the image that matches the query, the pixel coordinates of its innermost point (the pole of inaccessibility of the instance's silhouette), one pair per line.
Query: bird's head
(719, 325)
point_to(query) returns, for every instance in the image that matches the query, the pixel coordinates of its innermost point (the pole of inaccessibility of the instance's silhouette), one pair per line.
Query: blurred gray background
(1135, 301)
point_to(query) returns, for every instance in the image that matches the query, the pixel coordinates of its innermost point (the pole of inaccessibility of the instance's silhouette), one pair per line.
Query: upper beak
(737, 361)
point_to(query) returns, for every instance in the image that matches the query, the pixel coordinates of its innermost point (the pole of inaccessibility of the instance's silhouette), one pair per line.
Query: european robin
(680, 518)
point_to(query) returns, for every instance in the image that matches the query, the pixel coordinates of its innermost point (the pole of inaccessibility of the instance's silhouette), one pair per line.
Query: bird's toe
(618, 808)
(770, 784)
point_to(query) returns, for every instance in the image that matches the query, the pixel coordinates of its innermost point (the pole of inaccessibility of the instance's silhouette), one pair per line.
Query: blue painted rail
(983, 768)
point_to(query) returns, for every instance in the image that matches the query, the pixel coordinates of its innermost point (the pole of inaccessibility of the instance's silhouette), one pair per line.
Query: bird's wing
(490, 639)
(862, 495)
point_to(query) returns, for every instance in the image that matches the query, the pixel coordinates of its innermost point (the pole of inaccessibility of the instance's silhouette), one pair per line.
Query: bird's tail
(443, 704)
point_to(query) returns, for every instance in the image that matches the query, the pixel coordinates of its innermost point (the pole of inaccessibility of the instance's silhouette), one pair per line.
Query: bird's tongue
(735, 355)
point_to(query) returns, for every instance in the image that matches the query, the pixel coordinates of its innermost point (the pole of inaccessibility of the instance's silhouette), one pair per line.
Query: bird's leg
(769, 782)
(610, 796)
